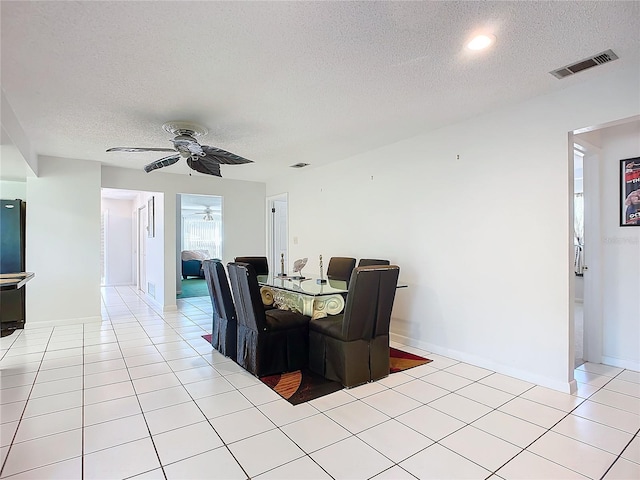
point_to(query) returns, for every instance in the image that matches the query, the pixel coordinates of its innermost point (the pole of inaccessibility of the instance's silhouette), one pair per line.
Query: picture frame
(630, 192)
(151, 222)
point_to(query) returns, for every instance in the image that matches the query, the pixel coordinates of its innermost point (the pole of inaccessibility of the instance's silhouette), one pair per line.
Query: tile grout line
(197, 406)
(620, 454)
(138, 398)
(566, 436)
(15, 434)
(362, 400)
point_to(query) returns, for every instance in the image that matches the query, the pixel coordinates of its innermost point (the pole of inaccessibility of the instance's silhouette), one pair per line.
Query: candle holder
(321, 280)
(282, 274)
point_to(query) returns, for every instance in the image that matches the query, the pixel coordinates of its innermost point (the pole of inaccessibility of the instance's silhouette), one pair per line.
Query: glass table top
(306, 286)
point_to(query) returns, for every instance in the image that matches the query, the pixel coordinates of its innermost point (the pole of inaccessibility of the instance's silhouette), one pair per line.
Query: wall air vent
(299, 165)
(599, 59)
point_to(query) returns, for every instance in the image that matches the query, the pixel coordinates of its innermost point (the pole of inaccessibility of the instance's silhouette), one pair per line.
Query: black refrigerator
(12, 260)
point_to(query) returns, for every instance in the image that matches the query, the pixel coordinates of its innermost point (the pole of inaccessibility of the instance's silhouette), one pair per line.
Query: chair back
(246, 292)
(219, 290)
(259, 264)
(340, 268)
(366, 262)
(370, 299)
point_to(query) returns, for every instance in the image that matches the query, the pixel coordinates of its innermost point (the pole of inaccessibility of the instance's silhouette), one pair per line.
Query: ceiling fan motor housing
(201, 158)
(188, 146)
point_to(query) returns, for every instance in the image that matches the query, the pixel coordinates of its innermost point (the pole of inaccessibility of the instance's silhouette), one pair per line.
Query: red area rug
(303, 385)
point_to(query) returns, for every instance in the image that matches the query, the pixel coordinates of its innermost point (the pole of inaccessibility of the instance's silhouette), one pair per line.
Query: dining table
(306, 295)
(314, 296)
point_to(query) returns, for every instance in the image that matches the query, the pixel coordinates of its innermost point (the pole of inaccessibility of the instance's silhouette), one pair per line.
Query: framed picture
(630, 192)
(151, 218)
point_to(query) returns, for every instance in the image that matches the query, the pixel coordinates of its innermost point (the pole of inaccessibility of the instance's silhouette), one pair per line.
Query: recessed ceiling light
(480, 42)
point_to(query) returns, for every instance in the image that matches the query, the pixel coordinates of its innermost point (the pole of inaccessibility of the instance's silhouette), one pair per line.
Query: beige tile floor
(143, 396)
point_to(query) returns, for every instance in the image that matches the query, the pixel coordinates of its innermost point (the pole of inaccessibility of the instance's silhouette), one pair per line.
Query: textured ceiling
(285, 82)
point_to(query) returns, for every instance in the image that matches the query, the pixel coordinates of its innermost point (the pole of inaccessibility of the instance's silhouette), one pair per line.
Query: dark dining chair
(340, 268)
(353, 347)
(260, 264)
(366, 262)
(225, 325)
(379, 346)
(269, 341)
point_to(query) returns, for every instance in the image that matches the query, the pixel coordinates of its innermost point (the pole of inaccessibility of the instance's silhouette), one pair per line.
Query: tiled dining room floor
(143, 396)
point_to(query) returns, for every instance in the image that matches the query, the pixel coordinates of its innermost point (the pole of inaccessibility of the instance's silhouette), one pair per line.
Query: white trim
(569, 387)
(152, 302)
(592, 296)
(618, 362)
(273, 258)
(614, 123)
(57, 323)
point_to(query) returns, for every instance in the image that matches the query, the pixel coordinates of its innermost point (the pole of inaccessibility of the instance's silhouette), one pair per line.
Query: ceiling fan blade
(222, 156)
(140, 149)
(205, 165)
(163, 162)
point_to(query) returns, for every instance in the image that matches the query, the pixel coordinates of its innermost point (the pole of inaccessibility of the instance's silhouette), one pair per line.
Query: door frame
(141, 272)
(272, 255)
(592, 252)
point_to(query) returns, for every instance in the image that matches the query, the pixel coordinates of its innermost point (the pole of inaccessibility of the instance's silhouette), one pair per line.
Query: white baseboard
(617, 362)
(566, 387)
(56, 323)
(170, 308)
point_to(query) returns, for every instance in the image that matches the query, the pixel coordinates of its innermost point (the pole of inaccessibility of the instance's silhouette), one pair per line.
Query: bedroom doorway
(201, 238)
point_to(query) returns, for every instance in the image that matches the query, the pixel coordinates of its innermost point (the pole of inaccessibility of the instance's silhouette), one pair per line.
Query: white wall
(620, 253)
(63, 241)
(120, 227)
(484, 241)
(10, 190)
(156, 246)
(243, 213)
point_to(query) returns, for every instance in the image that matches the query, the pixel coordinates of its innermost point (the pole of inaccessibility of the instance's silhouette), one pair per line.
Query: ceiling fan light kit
(201, 158)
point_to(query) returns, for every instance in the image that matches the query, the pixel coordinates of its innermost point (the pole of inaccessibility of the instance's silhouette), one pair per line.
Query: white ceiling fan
(201, 158)
(208, 214)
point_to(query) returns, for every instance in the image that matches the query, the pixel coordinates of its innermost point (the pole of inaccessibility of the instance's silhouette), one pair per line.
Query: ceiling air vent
(599, 59)
(299, 165)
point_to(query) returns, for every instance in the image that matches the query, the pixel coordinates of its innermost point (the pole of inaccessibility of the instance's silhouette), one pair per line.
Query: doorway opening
(608, 258)
(132, 252)
(201, 238)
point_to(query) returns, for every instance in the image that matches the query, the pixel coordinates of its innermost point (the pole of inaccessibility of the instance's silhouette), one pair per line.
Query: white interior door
(278, 233)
